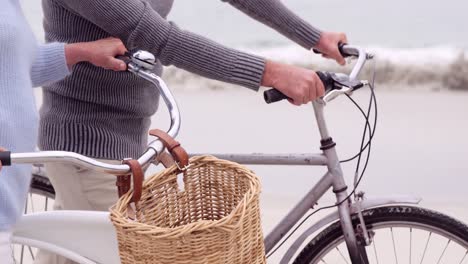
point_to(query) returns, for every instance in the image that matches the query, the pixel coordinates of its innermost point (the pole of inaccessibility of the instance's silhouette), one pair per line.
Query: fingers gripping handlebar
(332, 81)
(141, 58)
(140, 63)
(274, 95)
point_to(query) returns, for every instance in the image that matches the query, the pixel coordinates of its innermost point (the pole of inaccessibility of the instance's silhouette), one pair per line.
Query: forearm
(140, 27)
(277, 16)
(209, 59)
(50, 64)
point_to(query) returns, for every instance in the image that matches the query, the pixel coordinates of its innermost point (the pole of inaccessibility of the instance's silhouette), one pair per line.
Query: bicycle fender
(333, 217)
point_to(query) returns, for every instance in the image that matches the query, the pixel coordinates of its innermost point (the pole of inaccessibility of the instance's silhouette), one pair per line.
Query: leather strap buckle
(182, 168)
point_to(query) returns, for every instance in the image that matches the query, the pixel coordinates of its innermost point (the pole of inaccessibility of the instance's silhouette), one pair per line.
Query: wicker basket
(214, 219)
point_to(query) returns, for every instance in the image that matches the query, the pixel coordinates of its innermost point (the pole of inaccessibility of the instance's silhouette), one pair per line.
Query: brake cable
(375, 119)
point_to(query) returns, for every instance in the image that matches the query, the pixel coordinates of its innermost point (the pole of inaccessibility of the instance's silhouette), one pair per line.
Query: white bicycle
(360, 230)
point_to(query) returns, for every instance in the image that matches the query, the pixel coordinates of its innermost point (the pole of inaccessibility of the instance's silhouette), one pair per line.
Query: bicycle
(355, 226)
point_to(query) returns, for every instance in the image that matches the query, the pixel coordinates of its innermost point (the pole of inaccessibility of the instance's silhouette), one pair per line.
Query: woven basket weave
(215, 219)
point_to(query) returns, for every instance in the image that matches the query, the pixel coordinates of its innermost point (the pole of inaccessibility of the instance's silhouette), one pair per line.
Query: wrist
(319, 45)
(75, 53)
(269, 73)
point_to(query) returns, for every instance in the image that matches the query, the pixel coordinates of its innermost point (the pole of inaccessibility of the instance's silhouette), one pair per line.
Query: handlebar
(330, 79)
(140, 63)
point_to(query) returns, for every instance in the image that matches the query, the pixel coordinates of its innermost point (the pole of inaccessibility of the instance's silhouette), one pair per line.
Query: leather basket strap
(123, 181)
(123, 184)
(178, 153)
(166, 159)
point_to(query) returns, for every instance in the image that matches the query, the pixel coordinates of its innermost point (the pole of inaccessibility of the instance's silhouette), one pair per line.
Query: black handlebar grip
(340, 48)
(327, 80)
(342, 52)
(273, 96)
(5, 158)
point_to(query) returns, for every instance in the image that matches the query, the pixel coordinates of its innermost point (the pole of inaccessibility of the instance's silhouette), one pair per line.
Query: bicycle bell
(144, 59)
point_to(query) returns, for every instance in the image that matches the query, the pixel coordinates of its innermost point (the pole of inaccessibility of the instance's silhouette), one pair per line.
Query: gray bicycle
(360, 230)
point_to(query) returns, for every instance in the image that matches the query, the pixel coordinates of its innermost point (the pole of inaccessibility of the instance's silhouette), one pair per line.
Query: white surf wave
(438, 68)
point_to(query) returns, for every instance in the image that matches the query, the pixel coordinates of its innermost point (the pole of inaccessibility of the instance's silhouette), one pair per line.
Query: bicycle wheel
(40, 198)
(401, 234)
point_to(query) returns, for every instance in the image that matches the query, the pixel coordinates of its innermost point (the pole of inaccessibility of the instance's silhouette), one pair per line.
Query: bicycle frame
(333, 179)
(38, 230)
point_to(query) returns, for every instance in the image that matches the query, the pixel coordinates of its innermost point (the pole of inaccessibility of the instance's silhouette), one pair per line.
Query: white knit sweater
(23, 64)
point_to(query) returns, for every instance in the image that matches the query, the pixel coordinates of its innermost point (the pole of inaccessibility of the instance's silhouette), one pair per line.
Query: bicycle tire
(408, 216)
(41, 185)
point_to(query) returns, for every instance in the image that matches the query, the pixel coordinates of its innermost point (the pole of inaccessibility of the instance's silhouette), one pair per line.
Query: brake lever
(344, 85)
(337, 92)
(343, 80)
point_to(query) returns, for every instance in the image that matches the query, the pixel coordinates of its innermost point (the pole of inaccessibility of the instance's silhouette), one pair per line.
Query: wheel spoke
(466, 254)
(22, 254)
(375, 251)
(31, 252)
(394, 247)
(26, 207)
(32, 202)
(46, 203)
(443, 252)
(425, 248)
(339, 251)
(410, 243)
(25, 212)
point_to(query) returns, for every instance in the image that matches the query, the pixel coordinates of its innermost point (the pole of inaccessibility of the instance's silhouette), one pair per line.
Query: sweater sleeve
(141, 27)
(50, 64)
(277, 16)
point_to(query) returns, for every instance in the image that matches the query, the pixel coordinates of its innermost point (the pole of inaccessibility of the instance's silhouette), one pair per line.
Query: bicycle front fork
(355, 241)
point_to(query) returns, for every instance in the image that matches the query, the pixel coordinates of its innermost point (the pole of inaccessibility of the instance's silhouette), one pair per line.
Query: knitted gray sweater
(105, 114)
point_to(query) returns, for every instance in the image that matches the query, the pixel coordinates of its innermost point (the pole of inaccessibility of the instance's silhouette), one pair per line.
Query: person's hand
(300, 85)
(328, 46)
(100, 53)
(1, 149)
